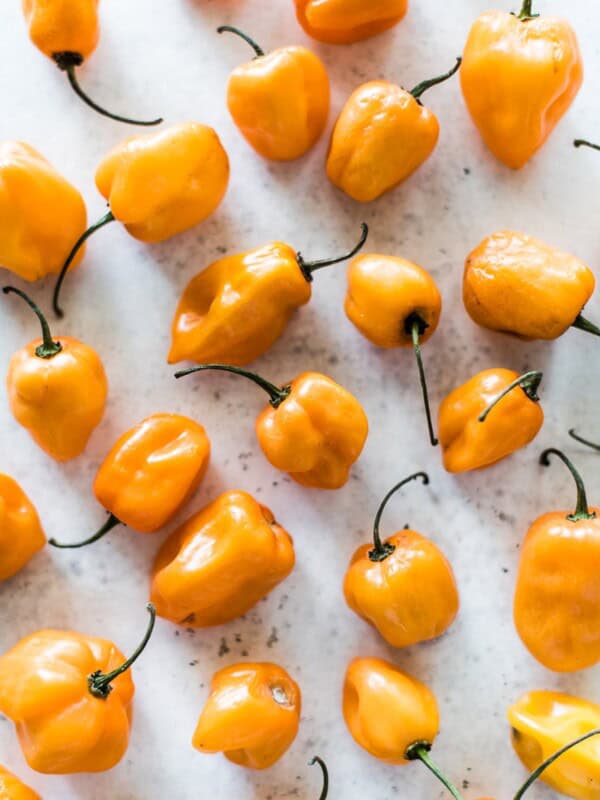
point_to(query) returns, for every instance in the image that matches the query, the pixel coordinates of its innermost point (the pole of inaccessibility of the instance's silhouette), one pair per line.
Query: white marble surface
(165, 58)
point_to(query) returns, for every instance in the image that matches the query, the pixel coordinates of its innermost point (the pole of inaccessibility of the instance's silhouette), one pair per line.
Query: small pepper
(57, 390)
(279, 101)
(519, 76)
(252, 715)
(403, 586)
(382, 136)
(220, 562)
(394, 303)
(21, 533)
(159, 185)
(237, 308)
(69, 696)
(557, 599)
(347, 21)
(67, 31)
(149, 474)
(314, 430)
(516, 284)
(41, 214)
(474, 433)
(11, 788)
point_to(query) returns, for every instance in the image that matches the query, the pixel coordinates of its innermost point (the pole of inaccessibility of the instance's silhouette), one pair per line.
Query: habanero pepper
(314, 429)
(11, 788)
(21, 532)
(237, 308)
(347, 21)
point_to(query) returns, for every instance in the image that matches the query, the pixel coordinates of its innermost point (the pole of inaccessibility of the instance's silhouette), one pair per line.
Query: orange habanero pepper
(279, 101)
(252, 715)
(403, 586)
(382, 135)
(519, 76)
(21, 533)
(67, 31)
(11, 788)
(158, 185)
(149, 474)
(237, 308)
(57, 390)
(314, 430)
(220, 562)
(474, 433)
(69, 696)
(347, 21)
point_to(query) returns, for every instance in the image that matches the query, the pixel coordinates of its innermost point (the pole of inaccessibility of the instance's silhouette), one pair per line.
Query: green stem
(110, 523)
(422, 87)
(308, 267)
(527, 11)
(99, 683)
(579, 439)
(416, 326)
(49, 348)
(420, 751)
(324, 770)
(584, 324)
(582, 510)
(108, 217)
(276, 395)
(585, 143)
(529, 383)
(230, 29)
(381, 550)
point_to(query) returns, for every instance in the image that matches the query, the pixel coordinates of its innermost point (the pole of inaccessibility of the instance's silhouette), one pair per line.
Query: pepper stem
(276, 395)
(110, 523)
(420, 751)
(308, 267)
(230, 29)
(49, 348)
(582, 510)
(325, 771)
(527, 10)
(584, 324)
(422, 87)
(99, 683)
(585, 143)
(581, 440)
(416, 327)
(529, 382)
(382, 550)
(108, 217)
(551, 759)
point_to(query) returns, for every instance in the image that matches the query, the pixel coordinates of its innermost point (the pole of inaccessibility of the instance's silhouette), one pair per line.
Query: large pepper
(252, 715)
(21, 533)
(519, 76)
(236, 308)
(314, 429)
(347, 21)
(220, 562)
(57, 390)
(11, 788)
(69, 696)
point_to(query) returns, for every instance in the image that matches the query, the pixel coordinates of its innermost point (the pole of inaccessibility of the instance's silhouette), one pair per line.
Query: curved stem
(584, 324)
(582, 510)
(422, 87)
(99, 682)
(529, 382)
(585, 143)
(108, 217)
(276, 395)
(416, 327)
(325, 771)
(230, 29)
(110, 523)
(581, 440)
(420, 751)
(308, 267)
(49, 348)
(381, 550)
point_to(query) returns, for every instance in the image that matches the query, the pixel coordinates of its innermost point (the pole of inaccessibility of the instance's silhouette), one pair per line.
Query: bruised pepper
(70, 697)
(159, 185)
(314, 429)
(347, 21)
(11, 788)
(382, 135)
(21, 533)
(237, 308)
(150, 473)
(67, 31)
(57, 390)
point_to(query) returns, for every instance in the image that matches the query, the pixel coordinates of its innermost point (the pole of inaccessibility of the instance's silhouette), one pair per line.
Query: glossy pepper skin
(11, 788)
(252, 715)
(220, 562)
(21, 533)
(347, 21)
(59, 26)
(519, 76)
(41, 214)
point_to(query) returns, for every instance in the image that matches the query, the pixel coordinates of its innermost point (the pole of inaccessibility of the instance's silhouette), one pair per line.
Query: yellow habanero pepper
(11, 788)
(21, 533)
(347, 21)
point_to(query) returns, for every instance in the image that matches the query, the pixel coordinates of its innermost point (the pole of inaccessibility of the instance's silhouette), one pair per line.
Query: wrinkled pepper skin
(41, 214)
(513, 283)
(59, 26)
(160, 184)
(252, 715)
(152, 470)
(21, 533)
(387, 710)
(347, 21)
(11, 788)
(519, 77)
(220, 563)
(543, 722)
